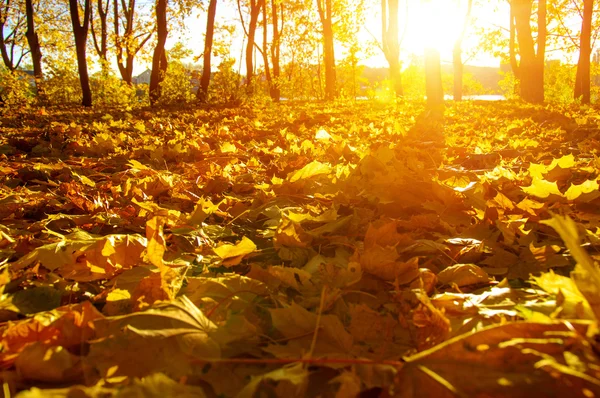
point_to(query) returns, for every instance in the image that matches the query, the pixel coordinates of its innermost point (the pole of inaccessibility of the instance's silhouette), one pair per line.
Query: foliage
(226, 85)
(559, 80)
(110, 90)
(471, 86)
(15, 88)
(62, 86)
(280, 250)
(349, 74)
(413, 81)
(176, 87)
(507, 85)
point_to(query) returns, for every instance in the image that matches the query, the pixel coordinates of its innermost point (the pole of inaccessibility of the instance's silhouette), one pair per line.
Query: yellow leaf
(586, 274)
(84, 180)
(463, 275)
(118, 294)
(322, 135)
(565, 162)
(574, 305)
(542, 188)
(312, 169)
(291, 234)
(243, 247)
(228, 147)
(202, 210)
(156, 241)
(575, 191)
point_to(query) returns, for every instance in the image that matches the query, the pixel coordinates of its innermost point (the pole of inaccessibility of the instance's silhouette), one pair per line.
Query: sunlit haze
(433, 23)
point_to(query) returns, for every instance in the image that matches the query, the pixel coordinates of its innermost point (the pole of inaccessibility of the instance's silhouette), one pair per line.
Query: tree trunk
(326, 14)
(80, 31)
(4, 10)
(433, 79)
(531, 66)
(514, 64)
(582, 80)
(123, 42)
(202, 94)
(457, 56)
(275, 90)
(255, 7)
(390, 42)
(101, 44)
(265, 49)
(35, 50)
(159, 57)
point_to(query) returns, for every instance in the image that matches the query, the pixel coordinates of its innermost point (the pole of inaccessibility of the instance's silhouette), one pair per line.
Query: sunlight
(437, 24)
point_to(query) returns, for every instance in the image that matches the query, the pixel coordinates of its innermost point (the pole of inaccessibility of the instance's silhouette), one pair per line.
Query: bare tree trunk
(390, 42)
(123, 41)
(265, 49)
(101, 44)
(582, 80)
(457, 56)
(326, 14)
(531, 67)
(514, 64)
(275, 90)
(159, 58)
(255, 7)
(202, 94)
(35, 50)
(4, 10)
(433, 79)
(80, 31)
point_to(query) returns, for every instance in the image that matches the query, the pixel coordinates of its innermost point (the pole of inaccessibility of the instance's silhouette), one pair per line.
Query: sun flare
(436, 24)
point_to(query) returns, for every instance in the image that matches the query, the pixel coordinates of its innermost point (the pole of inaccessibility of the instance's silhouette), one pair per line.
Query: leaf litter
(300, 250)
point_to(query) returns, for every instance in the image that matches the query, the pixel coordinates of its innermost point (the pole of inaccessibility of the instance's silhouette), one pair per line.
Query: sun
(434, 24)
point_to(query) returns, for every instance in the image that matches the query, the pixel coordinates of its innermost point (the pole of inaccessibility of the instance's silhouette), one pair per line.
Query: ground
(300, 250)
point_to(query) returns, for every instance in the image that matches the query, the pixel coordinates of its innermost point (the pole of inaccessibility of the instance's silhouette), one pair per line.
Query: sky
(446, 15)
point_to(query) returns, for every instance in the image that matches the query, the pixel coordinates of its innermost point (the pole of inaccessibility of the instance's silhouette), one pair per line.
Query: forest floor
(300, 250)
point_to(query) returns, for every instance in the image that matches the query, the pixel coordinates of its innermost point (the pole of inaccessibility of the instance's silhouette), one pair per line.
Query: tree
(254, 7)
(80, 31)
(582, 79)
(390, 42)
(433, 79)
(35, 50)
(202, 93)
(159, 58)
(265, 47)
(325, 10)
(530, 67)
(12, 24)
(457, 62)
(300, 39)
(274, 87)
(101, 43)
(131, 41)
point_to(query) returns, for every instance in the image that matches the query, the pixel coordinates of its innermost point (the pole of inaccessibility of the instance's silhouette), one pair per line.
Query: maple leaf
(542, 188)
(155, 249)
(587, 273)
(163, 338)
(463, 275)
(233, 254)
(292, 381)
(88, 259)
(298, 325)
(312, 169)
(510, 360)
(48, 363)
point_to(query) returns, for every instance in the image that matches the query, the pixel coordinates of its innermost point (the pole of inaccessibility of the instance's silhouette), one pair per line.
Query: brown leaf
(463, 275)
(513, 360)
